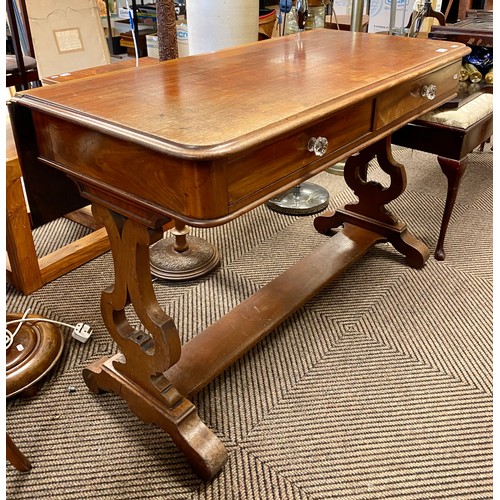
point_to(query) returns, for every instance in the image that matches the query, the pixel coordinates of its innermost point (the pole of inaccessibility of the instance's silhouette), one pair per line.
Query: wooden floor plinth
(415, 251)
(204, 451)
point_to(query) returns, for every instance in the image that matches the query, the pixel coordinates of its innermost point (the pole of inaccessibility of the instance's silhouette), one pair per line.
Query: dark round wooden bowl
(35, 351)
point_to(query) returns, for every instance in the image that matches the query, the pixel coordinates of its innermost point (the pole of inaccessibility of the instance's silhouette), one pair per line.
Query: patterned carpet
(380, 387)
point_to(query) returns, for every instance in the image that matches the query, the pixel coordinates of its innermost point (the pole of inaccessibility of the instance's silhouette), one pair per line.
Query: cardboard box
(182, 41)
(182, 38)
(127, 40)
(152, 45)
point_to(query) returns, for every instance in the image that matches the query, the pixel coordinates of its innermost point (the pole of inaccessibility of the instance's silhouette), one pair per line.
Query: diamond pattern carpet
(380, 387)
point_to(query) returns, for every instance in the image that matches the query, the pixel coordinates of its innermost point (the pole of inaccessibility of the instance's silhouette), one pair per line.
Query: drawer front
(398, 104)
(260, 169)
(126, 173)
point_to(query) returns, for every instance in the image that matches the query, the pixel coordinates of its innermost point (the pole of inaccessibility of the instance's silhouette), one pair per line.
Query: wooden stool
(21, 68)
(451, 134)
(25, 270)
(16, 457)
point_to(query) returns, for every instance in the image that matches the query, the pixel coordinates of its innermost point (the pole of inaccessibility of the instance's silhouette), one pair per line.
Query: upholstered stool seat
(451, 134)
(465, 116)
(11, 65)
(22, 78)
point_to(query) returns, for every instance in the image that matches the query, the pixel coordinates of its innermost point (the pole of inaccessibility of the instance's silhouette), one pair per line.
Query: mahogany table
(204, 139)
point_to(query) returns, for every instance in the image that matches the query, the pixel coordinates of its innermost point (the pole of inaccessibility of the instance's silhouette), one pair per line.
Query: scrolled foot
(326, 222)
(204, 451)
(94, 377)
(415, 251)
(164, 406)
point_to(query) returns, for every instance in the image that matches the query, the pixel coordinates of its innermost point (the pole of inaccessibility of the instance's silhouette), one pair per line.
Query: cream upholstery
(463, 117)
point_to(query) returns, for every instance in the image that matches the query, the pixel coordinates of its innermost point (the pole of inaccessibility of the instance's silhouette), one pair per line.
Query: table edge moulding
(215, 144)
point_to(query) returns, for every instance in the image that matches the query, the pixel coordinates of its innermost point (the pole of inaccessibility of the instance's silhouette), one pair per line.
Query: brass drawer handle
(429, 91)
(318, 145)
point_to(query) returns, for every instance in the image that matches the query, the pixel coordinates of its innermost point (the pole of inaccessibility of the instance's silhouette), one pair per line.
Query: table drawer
(396, 104)
(249, 174)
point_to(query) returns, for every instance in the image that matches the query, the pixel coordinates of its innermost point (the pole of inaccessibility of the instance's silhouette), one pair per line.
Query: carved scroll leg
(137, 373)
(355, 171)
(204, 451)
(454, 170)
(370, 211)
(416, 252)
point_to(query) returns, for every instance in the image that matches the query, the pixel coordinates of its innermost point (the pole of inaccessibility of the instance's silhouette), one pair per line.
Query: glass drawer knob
(429, 91)
(318, 145)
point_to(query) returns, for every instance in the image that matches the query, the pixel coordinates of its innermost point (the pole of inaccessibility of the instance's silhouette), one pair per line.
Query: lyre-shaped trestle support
(370, 212)
(137, 373)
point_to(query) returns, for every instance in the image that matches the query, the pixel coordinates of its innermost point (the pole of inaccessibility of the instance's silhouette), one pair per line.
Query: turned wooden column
(183, 258)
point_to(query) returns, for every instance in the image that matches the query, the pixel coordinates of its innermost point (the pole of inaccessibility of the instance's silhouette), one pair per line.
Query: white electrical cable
(10, 335)
(35, 320)
(24, 319)
(335, 15)
(132, 29)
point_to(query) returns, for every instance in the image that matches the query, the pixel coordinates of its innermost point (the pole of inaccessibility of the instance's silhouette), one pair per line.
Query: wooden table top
(215, 104)
(97, 70)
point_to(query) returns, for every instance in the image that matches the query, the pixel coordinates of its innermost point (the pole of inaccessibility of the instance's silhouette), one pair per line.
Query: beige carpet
(380, 387)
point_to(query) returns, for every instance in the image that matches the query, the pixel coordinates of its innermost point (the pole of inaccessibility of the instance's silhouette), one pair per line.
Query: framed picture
(67, 35)
(69, 40)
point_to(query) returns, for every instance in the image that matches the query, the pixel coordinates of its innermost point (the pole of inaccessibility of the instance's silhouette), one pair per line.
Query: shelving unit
(114, 48)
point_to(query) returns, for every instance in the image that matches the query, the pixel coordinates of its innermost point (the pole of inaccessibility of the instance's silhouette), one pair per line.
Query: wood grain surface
(232, 99)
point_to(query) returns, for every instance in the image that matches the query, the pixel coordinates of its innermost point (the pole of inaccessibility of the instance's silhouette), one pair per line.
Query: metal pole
(357, 15)
(110, 29)
(392, 19)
